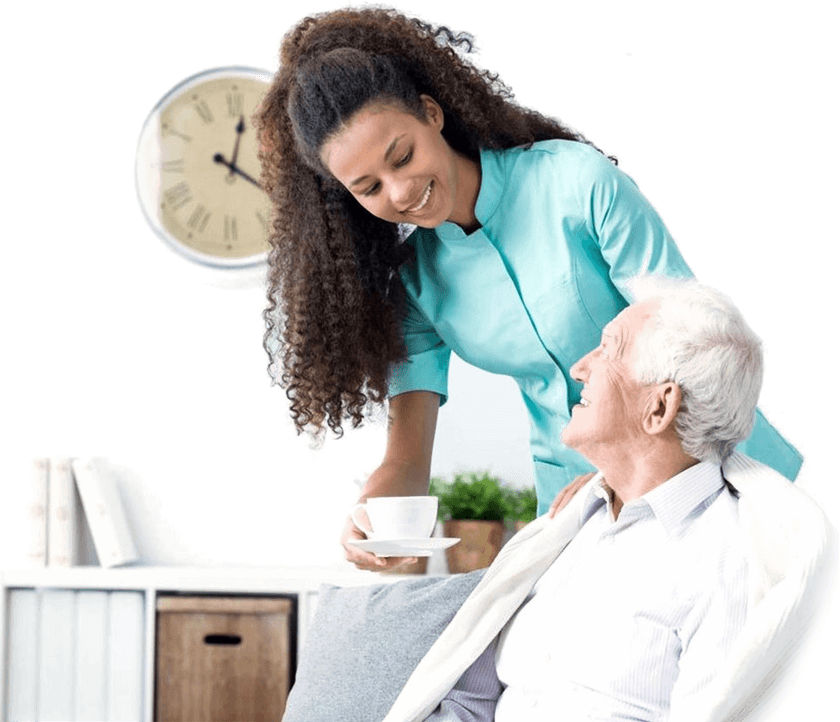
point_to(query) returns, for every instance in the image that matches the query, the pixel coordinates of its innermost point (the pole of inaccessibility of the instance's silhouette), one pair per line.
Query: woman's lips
(423, 200)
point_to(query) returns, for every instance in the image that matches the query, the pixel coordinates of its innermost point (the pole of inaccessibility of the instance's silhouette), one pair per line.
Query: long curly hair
(335, 299)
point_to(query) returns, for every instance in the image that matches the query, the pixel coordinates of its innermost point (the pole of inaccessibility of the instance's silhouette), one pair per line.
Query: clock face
(198, 171)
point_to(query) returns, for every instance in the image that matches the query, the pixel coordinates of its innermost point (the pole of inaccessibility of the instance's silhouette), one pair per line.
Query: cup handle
(361, 510)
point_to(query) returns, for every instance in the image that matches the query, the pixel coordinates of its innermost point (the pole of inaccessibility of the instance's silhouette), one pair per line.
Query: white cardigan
(794, 539)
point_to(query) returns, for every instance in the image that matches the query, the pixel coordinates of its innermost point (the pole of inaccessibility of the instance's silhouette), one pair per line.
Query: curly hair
(335, 299)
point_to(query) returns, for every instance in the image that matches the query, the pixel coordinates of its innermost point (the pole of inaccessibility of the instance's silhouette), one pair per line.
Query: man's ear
(662, 407)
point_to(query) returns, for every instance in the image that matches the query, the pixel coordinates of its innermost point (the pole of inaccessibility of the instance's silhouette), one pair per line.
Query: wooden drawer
(222, 659)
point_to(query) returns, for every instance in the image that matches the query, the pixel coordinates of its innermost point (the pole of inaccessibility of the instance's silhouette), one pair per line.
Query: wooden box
(222, 659)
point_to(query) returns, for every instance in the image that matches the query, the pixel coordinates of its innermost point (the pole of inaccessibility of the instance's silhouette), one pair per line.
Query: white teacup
(398, 517)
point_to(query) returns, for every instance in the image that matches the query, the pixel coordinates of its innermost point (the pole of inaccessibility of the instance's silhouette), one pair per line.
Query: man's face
(608, 419)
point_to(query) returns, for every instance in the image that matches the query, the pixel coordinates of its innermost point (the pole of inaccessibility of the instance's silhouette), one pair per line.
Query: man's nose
(575, 371)
(580, 369)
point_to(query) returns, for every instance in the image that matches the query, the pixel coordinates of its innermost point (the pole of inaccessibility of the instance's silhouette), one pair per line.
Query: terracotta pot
(479, 545)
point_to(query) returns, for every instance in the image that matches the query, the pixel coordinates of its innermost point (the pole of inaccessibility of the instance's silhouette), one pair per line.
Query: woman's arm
(412, 419)
(631, 235)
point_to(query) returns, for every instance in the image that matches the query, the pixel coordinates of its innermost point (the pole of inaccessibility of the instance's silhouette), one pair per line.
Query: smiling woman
(525, 239)
(336, 298)
(401, 169)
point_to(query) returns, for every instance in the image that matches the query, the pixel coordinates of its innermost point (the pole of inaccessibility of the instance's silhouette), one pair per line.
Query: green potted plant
(522, 505)
(472, 507)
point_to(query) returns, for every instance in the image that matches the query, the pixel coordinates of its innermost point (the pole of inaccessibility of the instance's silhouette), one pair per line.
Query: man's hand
(567, 493)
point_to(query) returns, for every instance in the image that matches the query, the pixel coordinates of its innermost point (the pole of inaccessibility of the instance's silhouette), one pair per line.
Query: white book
(37, 512)
(63, 534)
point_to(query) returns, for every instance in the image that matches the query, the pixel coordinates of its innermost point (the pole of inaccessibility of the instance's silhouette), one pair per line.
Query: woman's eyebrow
(388, 151)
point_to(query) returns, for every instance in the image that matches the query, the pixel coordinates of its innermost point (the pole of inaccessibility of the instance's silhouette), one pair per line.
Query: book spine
(37, 512)
(62, 535)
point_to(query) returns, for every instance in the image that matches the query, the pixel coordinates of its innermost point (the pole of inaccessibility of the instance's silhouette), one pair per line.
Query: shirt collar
(673, 501)
(490, 192)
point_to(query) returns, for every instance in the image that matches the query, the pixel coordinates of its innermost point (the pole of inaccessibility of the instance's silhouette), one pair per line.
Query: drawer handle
(224, 639)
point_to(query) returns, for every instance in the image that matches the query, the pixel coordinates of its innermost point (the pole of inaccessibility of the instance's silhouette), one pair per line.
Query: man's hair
(698, 339)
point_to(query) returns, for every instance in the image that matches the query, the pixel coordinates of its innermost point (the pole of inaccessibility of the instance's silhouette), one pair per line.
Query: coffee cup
(397, 517)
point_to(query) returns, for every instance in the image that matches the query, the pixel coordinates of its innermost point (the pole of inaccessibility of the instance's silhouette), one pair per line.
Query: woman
(525, 238)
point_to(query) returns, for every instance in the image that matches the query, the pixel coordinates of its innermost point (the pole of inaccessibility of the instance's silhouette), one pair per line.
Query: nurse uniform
(563, 230)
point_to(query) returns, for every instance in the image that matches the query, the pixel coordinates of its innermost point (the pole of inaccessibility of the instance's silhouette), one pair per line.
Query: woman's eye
(370, 191)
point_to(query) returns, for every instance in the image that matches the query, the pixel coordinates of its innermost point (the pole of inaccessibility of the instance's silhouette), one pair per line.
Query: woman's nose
(401, 193)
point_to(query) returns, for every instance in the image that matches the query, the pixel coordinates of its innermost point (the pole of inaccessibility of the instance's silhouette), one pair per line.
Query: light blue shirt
(651, 616)
(562, 232)
(657, 597)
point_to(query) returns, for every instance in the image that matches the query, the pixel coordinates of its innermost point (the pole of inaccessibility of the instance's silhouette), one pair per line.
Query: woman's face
(401, 169)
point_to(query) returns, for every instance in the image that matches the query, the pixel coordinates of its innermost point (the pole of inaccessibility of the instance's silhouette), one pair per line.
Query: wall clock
(197, 169)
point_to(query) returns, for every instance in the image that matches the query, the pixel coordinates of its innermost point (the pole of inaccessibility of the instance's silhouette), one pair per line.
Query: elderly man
(643, 614)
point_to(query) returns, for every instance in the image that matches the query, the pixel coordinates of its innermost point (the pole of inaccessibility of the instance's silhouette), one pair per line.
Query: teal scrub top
(563, 230)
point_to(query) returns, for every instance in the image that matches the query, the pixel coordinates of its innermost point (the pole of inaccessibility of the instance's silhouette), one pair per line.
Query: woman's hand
(567, 493)
(404, 471)
(366, 560)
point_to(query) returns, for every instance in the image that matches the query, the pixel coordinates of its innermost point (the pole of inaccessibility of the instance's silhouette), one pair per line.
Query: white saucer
(404, 547)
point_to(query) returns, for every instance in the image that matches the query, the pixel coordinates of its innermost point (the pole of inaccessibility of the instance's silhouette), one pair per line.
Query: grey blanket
(364, 643)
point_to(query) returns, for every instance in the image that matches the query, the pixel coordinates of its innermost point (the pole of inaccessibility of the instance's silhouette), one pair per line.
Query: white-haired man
(638, 617)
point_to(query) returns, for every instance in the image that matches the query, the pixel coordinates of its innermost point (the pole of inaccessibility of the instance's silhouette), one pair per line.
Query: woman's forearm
(395, 479)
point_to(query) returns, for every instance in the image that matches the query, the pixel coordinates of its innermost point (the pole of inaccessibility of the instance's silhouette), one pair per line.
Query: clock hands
(220, 159)
(240, 129)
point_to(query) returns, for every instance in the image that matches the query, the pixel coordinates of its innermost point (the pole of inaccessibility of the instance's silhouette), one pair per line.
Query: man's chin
(575, 440)
(570, 438)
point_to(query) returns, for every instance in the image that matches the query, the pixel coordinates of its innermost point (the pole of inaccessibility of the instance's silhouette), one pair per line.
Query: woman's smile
(423, 201)
(400, 167)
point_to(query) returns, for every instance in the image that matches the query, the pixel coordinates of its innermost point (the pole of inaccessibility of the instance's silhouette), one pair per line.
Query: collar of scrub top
(490, 193)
